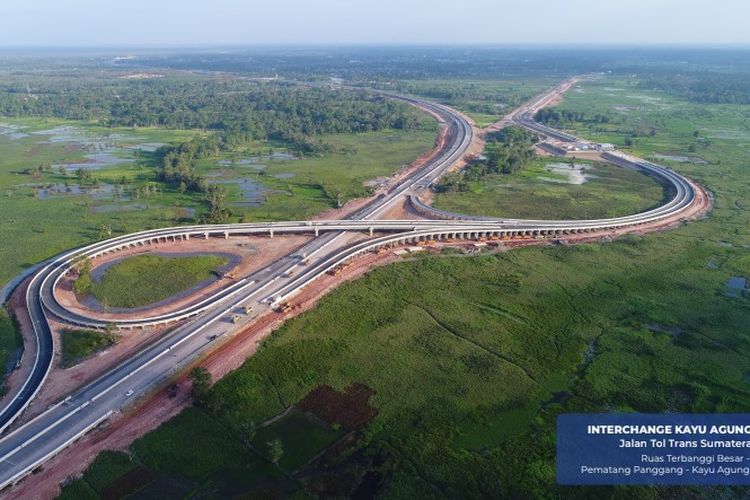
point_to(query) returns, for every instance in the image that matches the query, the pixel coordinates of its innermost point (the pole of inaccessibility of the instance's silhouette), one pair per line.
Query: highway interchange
(332, 243)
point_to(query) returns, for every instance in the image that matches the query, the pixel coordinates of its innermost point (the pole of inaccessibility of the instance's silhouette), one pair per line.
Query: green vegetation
(557, 189)
(505, 152)
(242, 110)
(77, 345)
(486, 100)
(146, 279)
(294, 440)
(191, 454)
(556, 118)
(543, 188)
(200, 379)
(702, 86)
(503, 344)
(46, 211)
(10, 343)
(85, 282)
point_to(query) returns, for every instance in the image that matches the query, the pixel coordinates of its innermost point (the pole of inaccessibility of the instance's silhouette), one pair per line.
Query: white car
(129, 393)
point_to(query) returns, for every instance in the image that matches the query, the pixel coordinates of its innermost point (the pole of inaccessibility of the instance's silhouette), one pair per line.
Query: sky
(99, 23)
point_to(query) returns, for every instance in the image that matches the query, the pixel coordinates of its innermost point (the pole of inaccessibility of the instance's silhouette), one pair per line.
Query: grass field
(44, 213)
(78, 345)
(146, 279)
(550, 189)
(216, 464)
(301, 436)
(473, 358)
(500, 345)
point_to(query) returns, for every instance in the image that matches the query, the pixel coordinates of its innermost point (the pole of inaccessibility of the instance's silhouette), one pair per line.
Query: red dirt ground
(230, 355)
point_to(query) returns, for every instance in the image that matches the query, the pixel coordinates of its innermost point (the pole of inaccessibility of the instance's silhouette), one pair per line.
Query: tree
(83, 175)
(82, 285)
(111, 330)
(105, 231)
(275, 450)
(201, 380)
(216, 197)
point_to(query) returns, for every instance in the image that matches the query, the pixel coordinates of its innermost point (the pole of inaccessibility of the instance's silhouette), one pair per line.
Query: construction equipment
(283, 307)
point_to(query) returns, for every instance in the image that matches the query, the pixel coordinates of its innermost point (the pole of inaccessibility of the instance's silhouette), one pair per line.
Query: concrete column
(206, 234)
(270, 232)
(226, 235)
(372, 230)
(317, 231)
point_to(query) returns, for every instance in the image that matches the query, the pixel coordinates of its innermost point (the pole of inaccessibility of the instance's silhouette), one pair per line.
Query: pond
(257, 161)
(101, 150)
(100, 191)
(95, 161)
(252, 192)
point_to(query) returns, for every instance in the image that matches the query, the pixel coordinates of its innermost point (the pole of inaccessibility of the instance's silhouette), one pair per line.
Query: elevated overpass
(32, 444)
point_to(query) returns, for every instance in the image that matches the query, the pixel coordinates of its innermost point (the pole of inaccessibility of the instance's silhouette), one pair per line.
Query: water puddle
(148, 147)
(671, 330)
(257, 161)
(572, 174)
(252, 192)
(736, 287)
(100, 191)
(101, 150)
(695, 160)
(94, 161)
(12, 131)
(284, 175)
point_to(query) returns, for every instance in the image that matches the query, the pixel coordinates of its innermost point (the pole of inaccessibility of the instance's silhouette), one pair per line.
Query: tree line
(243, 110)
(703, 87)
(505, 152)
(560, 118)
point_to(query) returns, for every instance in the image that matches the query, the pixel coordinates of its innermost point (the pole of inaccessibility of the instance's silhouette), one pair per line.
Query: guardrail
(42, 295)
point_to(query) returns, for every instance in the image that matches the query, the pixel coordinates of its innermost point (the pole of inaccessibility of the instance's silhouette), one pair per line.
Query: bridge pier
(372, 231)
(226, 235)
(205, 235)
(270, 233)
(317, 231)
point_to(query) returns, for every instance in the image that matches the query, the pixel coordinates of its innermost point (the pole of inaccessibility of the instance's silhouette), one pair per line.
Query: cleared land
(555, 189)
(146, 279)
(503, 344)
